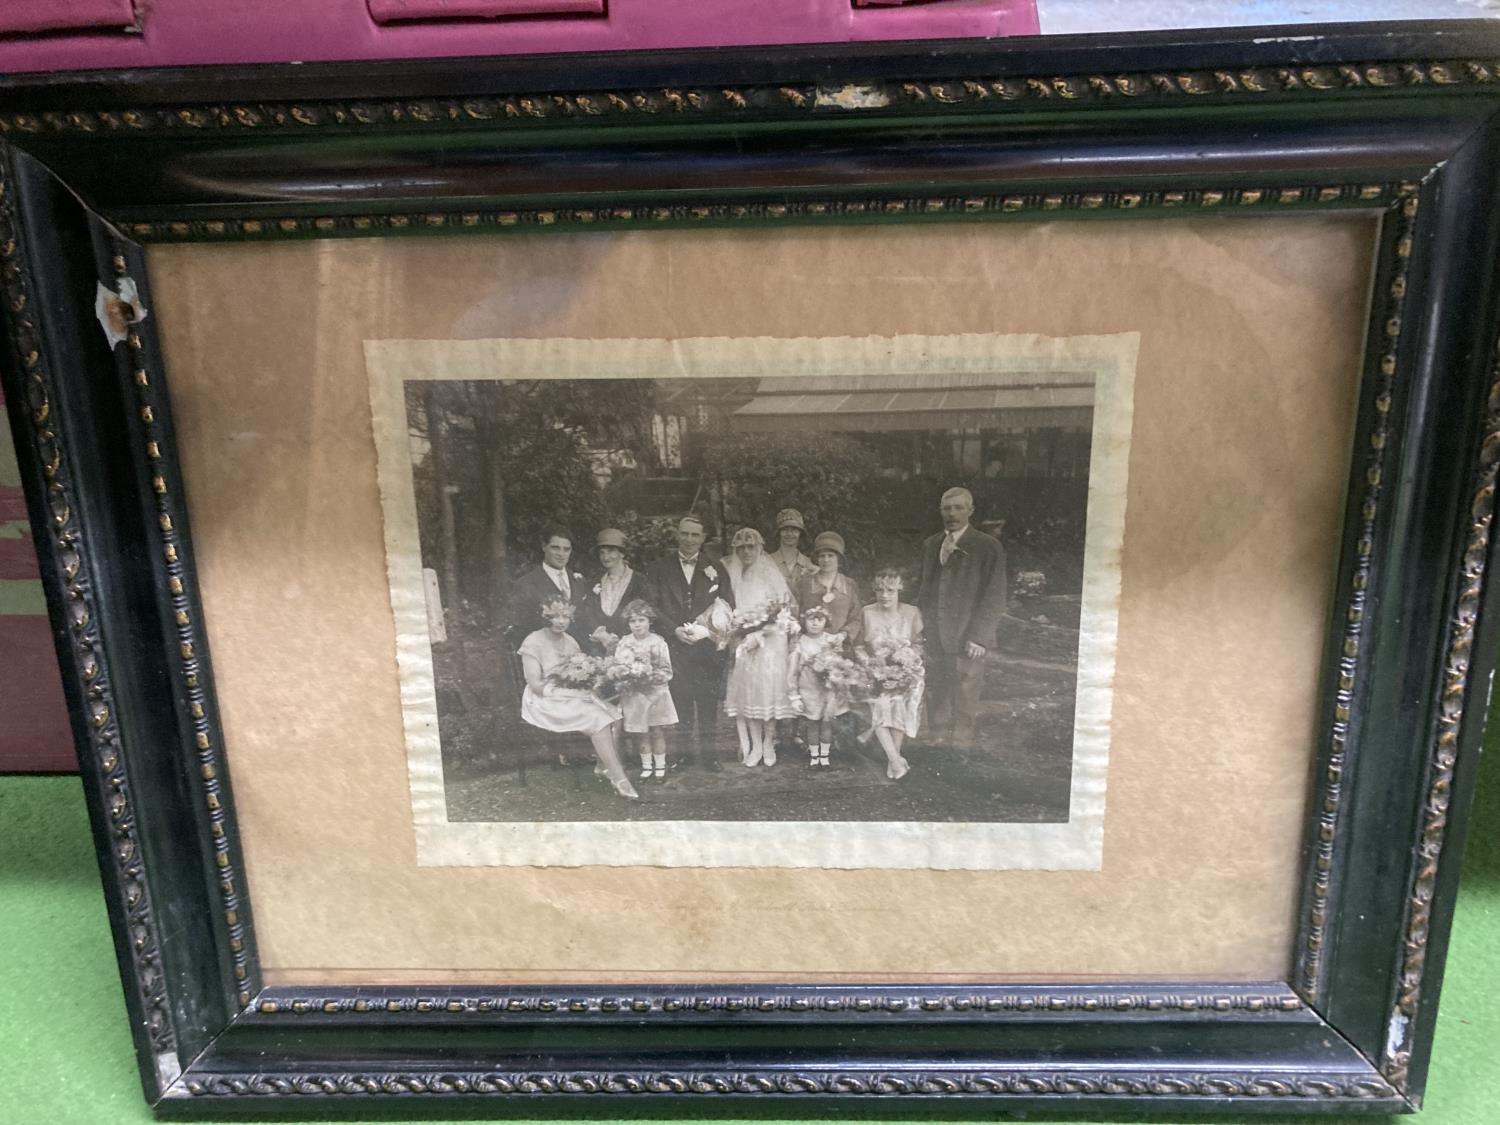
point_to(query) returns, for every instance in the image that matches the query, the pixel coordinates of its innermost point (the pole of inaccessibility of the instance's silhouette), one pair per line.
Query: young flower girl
(812, 675)
(645, 665)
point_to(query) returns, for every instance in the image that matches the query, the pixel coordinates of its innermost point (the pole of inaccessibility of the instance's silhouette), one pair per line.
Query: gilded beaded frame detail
(64, 542)
(1400, 199)
(772, 101)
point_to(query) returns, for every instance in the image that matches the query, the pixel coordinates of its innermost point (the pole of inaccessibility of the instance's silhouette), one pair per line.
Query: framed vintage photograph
(952, 572)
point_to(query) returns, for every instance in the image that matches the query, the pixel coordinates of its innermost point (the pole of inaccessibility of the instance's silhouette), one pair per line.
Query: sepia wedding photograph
(825, 598)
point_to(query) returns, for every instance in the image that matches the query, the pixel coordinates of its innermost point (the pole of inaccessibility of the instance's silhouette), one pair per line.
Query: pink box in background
(66, 15)
(393, 11)
(184, 32)
(34, 731)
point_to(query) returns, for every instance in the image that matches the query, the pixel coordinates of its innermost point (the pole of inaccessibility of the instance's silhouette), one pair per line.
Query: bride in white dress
(757, 694)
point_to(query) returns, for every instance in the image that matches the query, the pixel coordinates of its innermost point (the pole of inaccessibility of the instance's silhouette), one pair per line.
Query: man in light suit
(553, 578)
(681, 587)
(961, 593)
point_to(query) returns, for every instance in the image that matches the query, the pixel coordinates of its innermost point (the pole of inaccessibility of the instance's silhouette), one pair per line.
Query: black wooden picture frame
(1397, 119)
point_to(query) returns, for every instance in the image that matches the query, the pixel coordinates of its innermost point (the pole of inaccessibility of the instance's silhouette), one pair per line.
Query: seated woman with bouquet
(640, 669)
(559, 694)
(891, 658)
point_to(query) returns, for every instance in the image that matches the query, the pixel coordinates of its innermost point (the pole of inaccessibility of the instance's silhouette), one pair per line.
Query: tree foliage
(650, 537)
(826, 477)
(536, 440)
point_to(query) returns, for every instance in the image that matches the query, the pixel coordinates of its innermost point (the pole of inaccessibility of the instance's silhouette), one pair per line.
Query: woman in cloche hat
(602, 607)
(788, 555)
(793, 564)
(841, 599)
(826, 586)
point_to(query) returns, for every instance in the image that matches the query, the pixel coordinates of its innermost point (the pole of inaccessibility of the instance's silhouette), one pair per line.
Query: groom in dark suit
(554, 578)
(961, 593)
(681, 587)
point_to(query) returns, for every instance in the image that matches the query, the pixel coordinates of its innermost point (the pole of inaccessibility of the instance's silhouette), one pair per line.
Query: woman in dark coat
(839, 597)
(838, 594)
(601, 609)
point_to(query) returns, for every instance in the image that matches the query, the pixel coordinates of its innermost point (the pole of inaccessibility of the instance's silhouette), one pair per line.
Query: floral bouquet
(837, 673)
(618, 675)
(831, 667)
(778, 615)
(716, 621)
(578, 672)
(891, 668)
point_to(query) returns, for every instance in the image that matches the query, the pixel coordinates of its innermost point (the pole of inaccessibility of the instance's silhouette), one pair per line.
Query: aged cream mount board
(1195, 492)
(1385, 134)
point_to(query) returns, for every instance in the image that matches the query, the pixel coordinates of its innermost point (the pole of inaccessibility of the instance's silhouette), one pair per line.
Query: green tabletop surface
(65, 1053)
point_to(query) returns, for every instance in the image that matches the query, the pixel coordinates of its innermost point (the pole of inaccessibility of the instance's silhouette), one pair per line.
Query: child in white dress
(819, 702)
(648, 710)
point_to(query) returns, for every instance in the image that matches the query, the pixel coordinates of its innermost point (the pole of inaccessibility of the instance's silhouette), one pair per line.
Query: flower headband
(558, 607)
(639, 607)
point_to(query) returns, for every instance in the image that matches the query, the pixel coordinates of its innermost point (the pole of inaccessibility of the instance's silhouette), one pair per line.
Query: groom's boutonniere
(598, 587)
(710, 573)
(578, 576)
